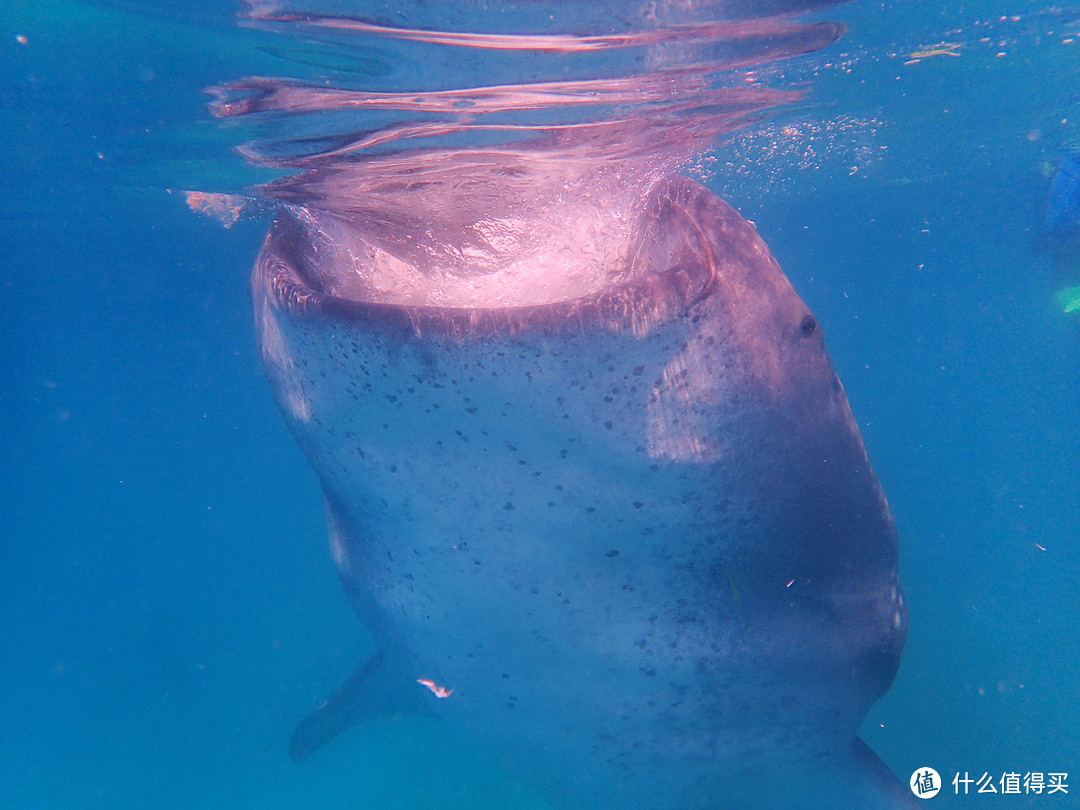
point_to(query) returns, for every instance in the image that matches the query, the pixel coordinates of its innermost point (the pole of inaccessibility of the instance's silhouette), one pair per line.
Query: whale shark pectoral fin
(847, 777)
(891, 793)
(376, 690)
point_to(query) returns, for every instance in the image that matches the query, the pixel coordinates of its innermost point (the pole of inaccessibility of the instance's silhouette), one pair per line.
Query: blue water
(168, 606)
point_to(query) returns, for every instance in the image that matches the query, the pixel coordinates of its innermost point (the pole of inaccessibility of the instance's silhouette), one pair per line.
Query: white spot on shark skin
(276, 354)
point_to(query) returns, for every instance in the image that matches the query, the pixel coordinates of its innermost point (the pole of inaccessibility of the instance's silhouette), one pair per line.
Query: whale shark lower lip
(630, 538)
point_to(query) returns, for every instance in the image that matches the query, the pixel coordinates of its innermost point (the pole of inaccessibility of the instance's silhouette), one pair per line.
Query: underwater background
(168, 607)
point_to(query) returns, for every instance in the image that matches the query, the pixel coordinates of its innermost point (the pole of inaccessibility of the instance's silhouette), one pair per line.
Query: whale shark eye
(808, 325)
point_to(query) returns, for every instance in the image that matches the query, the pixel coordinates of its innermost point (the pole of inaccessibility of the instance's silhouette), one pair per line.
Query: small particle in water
(792, 582)
(438, 691)
(942, 49)
(21, 39)
(1040, 548)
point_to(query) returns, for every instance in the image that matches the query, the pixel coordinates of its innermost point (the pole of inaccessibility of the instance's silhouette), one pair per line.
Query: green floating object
(1069, 299)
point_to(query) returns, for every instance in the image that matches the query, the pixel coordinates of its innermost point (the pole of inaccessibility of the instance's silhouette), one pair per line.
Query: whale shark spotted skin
(630, 538)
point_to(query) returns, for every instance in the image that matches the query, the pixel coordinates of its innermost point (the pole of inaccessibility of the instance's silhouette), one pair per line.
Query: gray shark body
(634, 534)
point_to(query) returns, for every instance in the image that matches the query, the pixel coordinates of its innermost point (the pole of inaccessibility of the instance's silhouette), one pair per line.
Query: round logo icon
(925, 783)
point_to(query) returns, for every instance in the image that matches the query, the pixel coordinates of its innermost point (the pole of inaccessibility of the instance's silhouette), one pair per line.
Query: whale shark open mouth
(635, 270)
(572, 253)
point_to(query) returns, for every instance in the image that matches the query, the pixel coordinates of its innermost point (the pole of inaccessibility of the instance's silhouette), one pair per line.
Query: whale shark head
(592, 481)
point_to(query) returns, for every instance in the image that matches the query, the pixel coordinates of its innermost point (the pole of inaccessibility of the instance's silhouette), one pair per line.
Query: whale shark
(619, 525)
